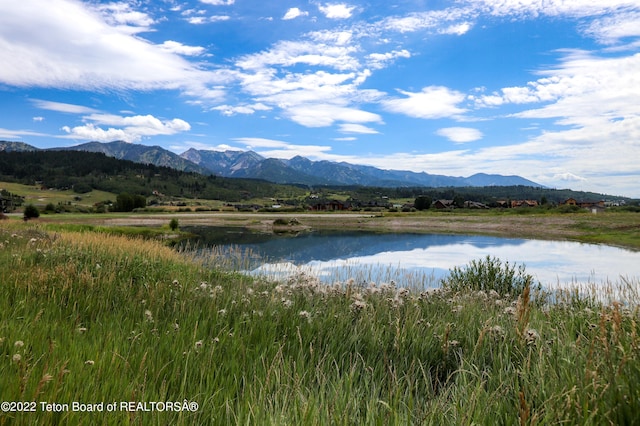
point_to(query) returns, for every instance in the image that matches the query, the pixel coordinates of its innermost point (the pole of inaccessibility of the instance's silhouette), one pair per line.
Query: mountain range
(298, 170)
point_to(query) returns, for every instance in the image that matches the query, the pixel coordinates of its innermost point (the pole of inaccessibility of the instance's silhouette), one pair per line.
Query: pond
(411, 259)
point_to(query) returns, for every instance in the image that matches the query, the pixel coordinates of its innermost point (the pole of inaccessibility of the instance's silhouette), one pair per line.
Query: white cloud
(200, 20)
(218, 2)
(381, 60)
(271, 148)
(92, 133)
(611, 29)
(357, 128)
(184, 146)
(62, 107)
(38, 119)
(336, 10)
(18, 134)
(121, 14)
(568, 177)
(181, 49)
(432, 102)
(128, 129)
(294, 13)
(322, 115)
(230, 110)
(99, 51)
(460, 134)
(290, 53)
(447, 21)
(457, 29)
(535, 8)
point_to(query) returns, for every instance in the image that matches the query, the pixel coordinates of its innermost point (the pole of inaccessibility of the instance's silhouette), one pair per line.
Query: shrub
(31, 212)
(173, 224)
(488, 274)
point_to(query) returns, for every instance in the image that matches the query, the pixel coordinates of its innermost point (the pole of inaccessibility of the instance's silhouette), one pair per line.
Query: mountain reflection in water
(337, 256)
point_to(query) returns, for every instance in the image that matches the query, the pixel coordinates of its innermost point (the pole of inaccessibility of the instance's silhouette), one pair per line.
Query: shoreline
(614, 229)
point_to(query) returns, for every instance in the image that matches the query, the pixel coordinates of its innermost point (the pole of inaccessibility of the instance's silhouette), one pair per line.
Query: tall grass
(96, 318)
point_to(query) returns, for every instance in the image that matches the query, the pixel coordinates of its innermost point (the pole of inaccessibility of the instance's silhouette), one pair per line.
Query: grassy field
(92, 318)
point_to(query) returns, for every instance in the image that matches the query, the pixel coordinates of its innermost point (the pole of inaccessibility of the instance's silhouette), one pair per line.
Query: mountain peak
(301, 170)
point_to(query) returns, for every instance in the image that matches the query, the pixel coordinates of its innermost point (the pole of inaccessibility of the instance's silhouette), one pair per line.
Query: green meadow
(99, 328)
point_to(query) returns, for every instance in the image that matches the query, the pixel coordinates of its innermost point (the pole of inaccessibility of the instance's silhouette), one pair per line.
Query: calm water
(417, 258)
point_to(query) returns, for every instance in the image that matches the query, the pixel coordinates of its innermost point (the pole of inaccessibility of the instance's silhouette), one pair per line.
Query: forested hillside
(84, 171)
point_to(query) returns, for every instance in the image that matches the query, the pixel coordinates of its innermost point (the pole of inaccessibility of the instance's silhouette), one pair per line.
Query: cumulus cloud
(568, 177)
(431, 103)
(100, 51)
(322, 115)
(181, 49)
(294, 13)
(336, 10)
(460, 134)
(126, 128)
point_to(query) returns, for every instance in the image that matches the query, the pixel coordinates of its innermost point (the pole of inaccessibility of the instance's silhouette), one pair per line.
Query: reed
(96, 318)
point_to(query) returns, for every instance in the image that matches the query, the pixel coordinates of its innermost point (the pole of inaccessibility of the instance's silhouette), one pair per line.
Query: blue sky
(545, 89)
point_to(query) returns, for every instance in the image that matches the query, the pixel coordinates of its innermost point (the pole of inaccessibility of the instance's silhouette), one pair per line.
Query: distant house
(474, 205)
(333, 205)
(444, 204)
(585, 204)
(523, 203)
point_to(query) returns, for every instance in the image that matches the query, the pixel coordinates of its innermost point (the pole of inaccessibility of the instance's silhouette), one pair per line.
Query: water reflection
(335, 256)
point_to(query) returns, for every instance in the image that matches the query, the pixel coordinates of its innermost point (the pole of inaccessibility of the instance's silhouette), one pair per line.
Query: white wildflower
(89, 362)
(305, 314)
(148, 315)
(222, 312)
(17, 358)
(509, 310)
(18, 344)
(531, 336)
(199, 344)
(358, 306)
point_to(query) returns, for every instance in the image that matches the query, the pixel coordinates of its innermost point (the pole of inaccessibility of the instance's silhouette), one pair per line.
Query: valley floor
(615, 228)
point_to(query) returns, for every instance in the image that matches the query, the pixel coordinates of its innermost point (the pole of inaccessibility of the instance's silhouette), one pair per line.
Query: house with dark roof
(444, 204)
